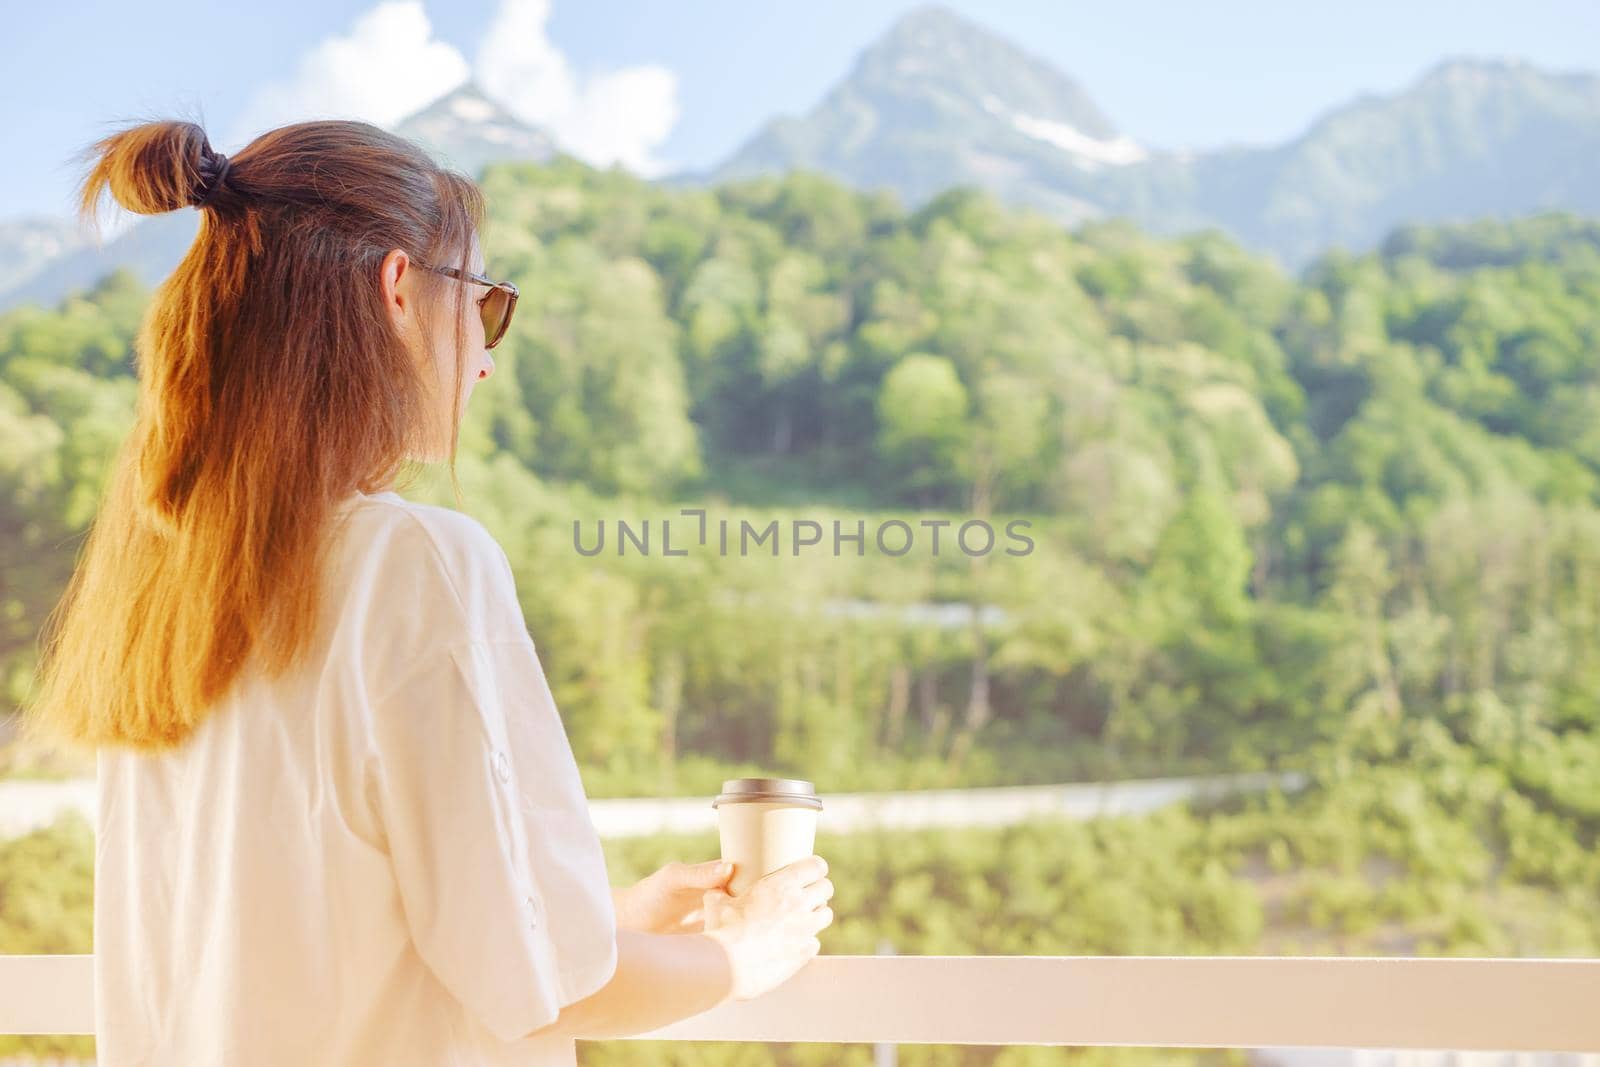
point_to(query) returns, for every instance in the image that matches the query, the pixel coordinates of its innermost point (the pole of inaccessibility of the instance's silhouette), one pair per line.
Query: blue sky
(667, 85)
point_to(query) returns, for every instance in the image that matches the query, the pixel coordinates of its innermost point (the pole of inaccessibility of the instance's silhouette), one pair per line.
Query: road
(26, 804)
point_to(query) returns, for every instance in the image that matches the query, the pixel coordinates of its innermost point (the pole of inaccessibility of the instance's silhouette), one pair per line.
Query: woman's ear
(394, 276)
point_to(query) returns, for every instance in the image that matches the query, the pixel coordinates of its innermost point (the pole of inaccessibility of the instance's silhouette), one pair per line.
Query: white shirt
(383, 858)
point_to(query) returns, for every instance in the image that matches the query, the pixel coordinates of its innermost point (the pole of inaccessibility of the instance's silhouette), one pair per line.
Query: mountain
(940, 101)
(1469, 140)
(463, 129)
(28, 244)
(466, 130)
(150, 247)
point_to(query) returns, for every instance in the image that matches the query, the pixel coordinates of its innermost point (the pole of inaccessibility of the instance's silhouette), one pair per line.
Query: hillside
(1261, 508)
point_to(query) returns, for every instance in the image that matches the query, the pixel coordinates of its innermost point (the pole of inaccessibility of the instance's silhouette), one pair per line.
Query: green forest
(1346, 522)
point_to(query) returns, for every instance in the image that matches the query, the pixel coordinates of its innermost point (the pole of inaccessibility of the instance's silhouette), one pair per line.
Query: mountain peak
(945, 60)
(926, 19)
(1456, 68)
(939, 100)
(1474, 74)
(467, 129)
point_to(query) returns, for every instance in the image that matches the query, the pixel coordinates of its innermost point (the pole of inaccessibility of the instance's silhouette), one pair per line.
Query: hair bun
(153, 167)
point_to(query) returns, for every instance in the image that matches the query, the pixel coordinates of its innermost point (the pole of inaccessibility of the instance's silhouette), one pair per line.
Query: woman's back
(382, 857)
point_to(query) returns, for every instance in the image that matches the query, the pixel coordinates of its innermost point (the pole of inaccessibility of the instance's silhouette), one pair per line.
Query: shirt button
(502, 767)
(533, 910)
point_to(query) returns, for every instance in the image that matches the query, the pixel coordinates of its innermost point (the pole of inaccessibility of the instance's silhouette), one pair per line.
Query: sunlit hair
(273, 385)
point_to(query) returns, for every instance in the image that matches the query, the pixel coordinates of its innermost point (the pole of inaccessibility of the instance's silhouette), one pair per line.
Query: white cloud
(388, 66)
(620, 116)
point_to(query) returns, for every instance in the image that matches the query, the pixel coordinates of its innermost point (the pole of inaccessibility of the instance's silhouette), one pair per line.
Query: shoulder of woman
(440, 564)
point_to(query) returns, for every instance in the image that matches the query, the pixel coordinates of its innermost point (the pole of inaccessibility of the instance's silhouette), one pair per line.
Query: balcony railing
(1535, 1005)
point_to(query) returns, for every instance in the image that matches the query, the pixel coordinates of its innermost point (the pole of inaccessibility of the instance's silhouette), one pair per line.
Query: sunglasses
(495, 307)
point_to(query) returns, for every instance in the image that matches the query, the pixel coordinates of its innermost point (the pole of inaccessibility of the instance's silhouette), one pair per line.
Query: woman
(340, 822)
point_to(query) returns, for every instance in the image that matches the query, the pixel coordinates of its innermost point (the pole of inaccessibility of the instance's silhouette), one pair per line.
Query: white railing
(1543, 1005)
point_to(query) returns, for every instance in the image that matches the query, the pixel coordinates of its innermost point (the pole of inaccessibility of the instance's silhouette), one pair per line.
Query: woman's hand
(770, 931)
(670, 901)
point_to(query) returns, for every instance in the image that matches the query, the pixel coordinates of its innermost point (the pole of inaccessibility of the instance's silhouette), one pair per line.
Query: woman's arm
(660, 979)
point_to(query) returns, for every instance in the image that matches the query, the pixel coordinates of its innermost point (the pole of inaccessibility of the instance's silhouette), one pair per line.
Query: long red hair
(272, 386)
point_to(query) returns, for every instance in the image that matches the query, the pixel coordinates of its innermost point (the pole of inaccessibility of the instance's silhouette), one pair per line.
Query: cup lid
(782, 790)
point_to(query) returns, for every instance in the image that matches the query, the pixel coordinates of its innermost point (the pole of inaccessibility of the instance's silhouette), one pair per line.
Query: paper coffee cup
(765, 824)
